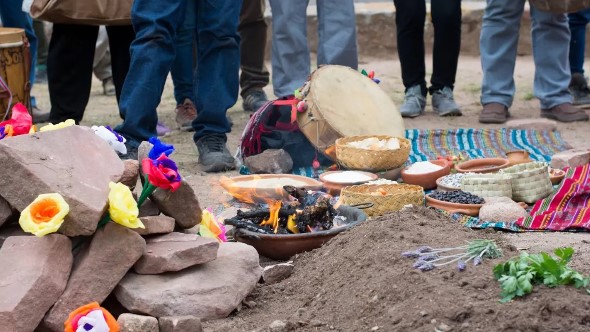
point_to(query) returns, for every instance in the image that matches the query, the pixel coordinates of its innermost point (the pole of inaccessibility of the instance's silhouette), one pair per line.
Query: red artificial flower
(21, 121)
(162, 172)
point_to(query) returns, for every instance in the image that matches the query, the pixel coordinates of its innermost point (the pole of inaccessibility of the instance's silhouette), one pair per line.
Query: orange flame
(252, 193)
(273, 219)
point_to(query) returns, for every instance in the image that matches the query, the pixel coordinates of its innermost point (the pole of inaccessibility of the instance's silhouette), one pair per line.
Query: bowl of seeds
(451, 182)
(455, 202)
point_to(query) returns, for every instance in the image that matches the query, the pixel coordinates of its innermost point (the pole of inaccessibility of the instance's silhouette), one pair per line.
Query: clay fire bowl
(468, 209)
(556, 175)
(334, 188)
(427, 180)
(284, 246)
(484, 165)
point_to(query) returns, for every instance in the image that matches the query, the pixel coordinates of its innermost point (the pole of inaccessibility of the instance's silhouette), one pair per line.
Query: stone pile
(165, 279)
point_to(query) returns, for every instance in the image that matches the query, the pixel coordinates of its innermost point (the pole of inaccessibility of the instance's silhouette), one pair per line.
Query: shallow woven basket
(371, 160)
(487, 185)
(385, 198)
(560, 6)
(530, 182)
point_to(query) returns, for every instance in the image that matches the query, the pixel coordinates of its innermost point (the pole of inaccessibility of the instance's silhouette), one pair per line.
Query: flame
(251, 195)
(273, 220)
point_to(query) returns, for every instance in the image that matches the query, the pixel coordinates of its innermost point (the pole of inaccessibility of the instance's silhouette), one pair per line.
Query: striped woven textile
(568, 208)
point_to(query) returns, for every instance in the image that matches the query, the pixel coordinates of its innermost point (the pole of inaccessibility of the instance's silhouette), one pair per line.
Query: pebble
(374, 328)
(423, 313)
(278, 325)
(443, 327)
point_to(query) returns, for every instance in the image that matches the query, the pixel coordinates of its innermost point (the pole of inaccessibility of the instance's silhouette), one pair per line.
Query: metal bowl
(284, 246)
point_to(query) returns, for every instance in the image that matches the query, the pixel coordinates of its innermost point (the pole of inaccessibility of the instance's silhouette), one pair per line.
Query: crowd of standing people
(214, 52)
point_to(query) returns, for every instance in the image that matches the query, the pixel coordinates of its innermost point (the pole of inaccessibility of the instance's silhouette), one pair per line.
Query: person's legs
(216, 80)
(290, 53)
(42, 46)
(253, 31)
(120, 39)
(337, 33)
(69, 70)
(152, 54)
(551, 40)
(578, 84)
(409, 20)
(183, 65)
(446, 19)
(498, 44)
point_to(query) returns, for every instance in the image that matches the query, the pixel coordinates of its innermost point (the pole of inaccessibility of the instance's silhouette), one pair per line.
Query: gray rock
(170, 256)
(11, 230)
(6, 211)
(73, 162)
(271, 161)
(207, 291)
(98, 269)
(137, 323)
(155, 225)
(276, 273)
(182, 205)
(570, 158)
(278, 325)
(172, 237)
(180, 324)
(34, 273)
(130, 174)
(148, 209)
(539, 124)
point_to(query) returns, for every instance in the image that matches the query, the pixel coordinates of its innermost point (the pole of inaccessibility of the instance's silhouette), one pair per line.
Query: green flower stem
(104, 221)
(147, 190)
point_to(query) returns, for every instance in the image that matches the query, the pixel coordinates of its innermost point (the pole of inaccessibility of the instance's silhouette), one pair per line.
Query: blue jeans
(498, 44)
(153, 52)
(183, 66)
(578, 22)
(12, 16)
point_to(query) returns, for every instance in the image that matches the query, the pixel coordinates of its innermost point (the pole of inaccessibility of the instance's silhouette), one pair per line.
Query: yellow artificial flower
(122, 206)
(211, 228)
(33, 129)
(61, 125)
(45, 215)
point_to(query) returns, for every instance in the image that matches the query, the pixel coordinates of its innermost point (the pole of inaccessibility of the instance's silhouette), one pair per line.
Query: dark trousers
(69, 66)
(253, 31)
(446, 19)
(578, 22)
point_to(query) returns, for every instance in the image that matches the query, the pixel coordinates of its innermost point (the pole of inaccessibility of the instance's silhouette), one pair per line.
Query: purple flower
(461, 266)
(119, 137)
(429, 257)
(3, 132)
(419, 263)
(477, 260)
(423, 249)
(159, 148)
(411, 254)
(427, 266)
(376, 80)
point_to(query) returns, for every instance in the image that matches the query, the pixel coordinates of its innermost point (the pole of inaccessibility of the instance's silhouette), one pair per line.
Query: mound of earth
(360, 282)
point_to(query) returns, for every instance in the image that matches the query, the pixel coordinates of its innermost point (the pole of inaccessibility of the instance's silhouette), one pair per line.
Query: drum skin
(342, 102)
(14, 68)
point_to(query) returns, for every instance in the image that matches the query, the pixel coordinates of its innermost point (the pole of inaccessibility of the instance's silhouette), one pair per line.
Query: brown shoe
(565, 113)
(185, 114)
(494, 113)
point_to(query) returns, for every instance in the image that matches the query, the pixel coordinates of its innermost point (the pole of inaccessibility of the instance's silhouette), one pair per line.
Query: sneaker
(185, 114)
(494, 113)
(132, 148)
(108, 87)
(39, 116)
(162, 129)
(444, 104)
(414, 103)
(579, 89)
(213, 153)
(565, 113)
(254, 100)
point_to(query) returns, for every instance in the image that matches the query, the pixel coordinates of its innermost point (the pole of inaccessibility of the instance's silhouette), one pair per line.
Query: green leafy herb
(518, 275)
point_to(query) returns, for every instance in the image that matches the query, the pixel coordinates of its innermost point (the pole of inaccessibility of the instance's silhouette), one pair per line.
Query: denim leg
(578, 22)
(152, 54)
(337, 33)
(290, 53)
(183, 66)
(218, 65)
(551, 40)
(12, 16)
(498, 44)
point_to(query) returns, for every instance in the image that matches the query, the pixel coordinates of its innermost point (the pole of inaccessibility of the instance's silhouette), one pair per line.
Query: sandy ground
(102, 110)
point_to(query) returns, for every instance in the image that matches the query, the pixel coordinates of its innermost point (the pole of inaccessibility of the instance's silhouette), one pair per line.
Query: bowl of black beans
(455, 202)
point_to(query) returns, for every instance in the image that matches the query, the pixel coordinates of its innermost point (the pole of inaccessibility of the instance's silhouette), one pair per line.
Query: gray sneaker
(414, 103)
(213, 153)
(579, 89)
(444, 104)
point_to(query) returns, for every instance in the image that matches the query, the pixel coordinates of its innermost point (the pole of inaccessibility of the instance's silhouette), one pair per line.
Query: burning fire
(273, 220)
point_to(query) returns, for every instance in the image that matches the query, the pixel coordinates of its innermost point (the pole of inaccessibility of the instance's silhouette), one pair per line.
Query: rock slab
(73, 162)
(11, 230)
(137, 323)
(271, 161)
(130, 173)
(148, 209)
(208, 291)
(182, 205)
(570, 158)
(276, 273)
(180, 324)
(5, 211)
(34, 274)
(170, 256)
(539, 124)
(97, 271)
(155, 225)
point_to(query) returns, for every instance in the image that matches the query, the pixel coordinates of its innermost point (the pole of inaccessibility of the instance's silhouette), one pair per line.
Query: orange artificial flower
(93, 318)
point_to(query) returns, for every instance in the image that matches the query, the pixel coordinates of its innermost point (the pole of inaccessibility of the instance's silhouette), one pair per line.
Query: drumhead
(11, 36)
(352, 104)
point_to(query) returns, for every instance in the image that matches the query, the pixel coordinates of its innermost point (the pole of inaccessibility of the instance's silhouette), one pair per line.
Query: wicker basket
(560, 6)
(487, 185)
(371, 160)
(385, 198)
(530, 181)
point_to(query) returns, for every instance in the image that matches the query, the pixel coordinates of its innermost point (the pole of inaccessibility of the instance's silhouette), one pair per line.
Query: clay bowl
(284, 246)
(442, 187)
(484, 165)
(334, 188)
(241, 188)
(556, 175)
(468, 209)
(518, 157)
(427, 180)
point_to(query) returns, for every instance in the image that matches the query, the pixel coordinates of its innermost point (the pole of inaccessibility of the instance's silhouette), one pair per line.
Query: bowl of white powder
(336, 180)
(425, 173)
